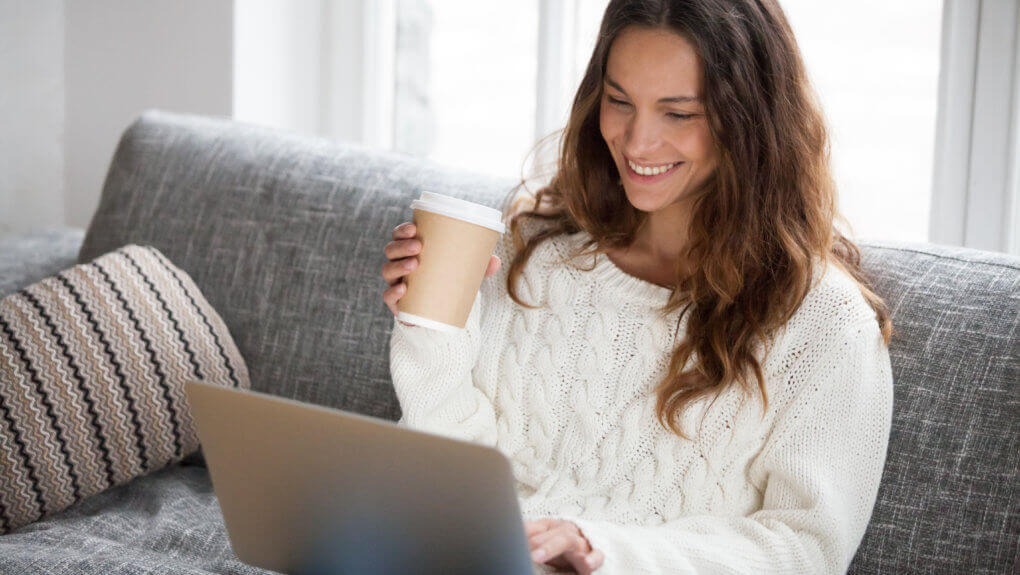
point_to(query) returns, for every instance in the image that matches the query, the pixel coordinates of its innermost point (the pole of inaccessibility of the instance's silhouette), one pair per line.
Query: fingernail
(538, 555)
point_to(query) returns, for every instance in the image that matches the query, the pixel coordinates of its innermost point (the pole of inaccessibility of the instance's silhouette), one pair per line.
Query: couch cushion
(92, 367)
(165, 522)
(947, 502)
(284, 234)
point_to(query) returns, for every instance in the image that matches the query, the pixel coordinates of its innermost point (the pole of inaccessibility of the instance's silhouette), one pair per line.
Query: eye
(671, 115)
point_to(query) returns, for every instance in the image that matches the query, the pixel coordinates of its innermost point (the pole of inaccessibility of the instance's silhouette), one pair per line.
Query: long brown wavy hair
(755, 229)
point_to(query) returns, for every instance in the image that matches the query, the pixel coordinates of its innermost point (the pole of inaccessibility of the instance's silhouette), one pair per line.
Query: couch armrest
(29, 257)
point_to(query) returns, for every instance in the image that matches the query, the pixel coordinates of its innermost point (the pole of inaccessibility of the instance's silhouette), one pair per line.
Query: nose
(642, 137)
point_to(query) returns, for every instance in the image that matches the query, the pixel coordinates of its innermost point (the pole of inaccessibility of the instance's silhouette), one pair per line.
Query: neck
(663, 234)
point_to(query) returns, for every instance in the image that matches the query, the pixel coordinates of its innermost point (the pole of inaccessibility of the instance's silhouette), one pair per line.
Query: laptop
(306, 489)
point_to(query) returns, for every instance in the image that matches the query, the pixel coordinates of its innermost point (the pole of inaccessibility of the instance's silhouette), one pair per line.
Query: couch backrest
(284, 235)
(948, 493)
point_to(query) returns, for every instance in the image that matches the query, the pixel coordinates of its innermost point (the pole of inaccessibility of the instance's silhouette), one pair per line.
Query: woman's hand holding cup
(402, 255)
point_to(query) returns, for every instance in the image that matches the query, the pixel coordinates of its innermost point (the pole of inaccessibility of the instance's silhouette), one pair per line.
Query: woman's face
(652, 114)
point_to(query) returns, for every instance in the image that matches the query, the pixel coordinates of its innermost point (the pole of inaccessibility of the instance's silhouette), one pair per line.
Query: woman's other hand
(560, 544)
(402, 255)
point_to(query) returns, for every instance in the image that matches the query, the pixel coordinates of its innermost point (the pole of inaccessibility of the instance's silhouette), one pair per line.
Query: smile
(650, 178)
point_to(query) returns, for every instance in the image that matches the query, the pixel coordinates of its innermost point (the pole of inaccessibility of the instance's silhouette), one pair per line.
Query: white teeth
(650, 171)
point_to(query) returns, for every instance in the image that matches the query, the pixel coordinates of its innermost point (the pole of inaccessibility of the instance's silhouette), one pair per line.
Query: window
(467, 94)
(875, 67)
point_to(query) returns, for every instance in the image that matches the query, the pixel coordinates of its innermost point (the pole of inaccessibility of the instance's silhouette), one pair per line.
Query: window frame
(975, 184)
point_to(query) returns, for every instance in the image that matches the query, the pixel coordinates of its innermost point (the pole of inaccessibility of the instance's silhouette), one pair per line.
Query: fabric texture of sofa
(284, 235)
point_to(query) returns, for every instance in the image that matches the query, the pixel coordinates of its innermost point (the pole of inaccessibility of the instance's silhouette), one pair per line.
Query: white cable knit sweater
(564, 392)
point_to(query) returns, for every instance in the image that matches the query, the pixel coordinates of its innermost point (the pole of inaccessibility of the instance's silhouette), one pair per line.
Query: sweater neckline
(608, 275)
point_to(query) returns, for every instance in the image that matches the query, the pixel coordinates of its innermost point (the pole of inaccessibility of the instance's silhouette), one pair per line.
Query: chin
(645, 201)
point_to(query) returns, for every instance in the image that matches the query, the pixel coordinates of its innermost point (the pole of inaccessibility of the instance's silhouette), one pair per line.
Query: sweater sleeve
(822, 464)
(431, 373)
(432, 370)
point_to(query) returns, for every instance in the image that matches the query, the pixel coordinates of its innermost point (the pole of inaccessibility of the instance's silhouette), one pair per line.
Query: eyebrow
(673, 100)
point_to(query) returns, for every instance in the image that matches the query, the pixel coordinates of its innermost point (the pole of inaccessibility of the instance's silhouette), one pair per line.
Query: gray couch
(284, 234)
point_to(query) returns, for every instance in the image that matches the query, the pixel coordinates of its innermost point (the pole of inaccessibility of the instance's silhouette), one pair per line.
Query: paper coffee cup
(457, 239)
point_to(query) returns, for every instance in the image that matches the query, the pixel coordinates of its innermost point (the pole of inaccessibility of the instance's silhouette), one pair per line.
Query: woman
(686, 369)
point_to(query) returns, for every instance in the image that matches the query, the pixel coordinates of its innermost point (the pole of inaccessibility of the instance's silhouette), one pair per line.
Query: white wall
(31, 114)
(123, 56)
(75, 74)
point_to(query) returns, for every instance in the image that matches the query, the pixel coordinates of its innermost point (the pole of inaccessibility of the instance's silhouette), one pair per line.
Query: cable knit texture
(565, 392)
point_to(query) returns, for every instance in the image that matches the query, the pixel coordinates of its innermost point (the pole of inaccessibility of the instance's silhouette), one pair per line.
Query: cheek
(609, 125)
(698, 144)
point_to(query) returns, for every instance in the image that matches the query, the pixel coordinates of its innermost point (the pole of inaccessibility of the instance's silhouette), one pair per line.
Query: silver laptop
(305, 489)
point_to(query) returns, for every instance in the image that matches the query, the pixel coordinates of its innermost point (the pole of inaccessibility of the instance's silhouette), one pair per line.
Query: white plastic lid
(460, 209)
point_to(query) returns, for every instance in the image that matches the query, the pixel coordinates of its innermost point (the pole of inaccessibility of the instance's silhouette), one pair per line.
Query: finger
(494, 265)
(535, 527)
(557, 531)
(535, 541)
(553, 547)
(392, 294)
(395, 312)
(547, 550)
(393, 271)
(576, 560)
(402, 248)
(595, 559)
(404, 230)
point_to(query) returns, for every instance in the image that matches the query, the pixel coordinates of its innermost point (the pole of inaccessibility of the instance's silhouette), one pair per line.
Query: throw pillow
(92, 368)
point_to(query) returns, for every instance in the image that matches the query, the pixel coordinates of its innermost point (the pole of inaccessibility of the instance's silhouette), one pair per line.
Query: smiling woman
(662, 145)
(713, 393)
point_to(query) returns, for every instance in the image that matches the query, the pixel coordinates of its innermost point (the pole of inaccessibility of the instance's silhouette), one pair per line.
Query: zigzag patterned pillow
(92, 369)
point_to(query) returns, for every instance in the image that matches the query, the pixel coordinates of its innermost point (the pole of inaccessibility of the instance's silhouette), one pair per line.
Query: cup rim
(465, 210)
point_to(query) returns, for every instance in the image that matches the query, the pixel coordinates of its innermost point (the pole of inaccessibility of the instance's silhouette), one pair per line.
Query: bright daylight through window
(466, 93)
